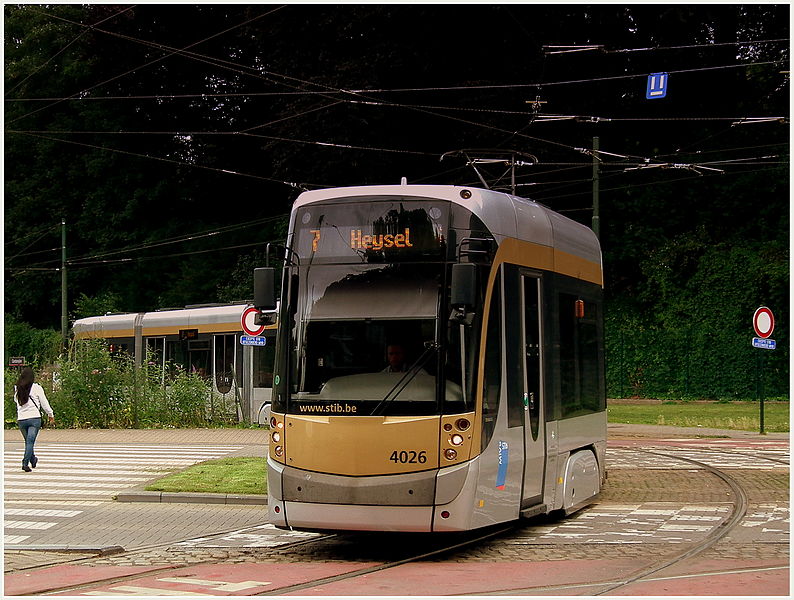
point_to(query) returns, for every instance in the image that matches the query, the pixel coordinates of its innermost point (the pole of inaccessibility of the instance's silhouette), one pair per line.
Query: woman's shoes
(34, 461)
(26, 468)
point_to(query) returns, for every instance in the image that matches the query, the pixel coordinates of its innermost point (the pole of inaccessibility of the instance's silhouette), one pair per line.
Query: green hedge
(688, 332)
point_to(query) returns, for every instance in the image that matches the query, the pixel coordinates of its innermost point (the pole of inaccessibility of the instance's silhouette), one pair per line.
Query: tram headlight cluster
(277, 437)
(456, 437)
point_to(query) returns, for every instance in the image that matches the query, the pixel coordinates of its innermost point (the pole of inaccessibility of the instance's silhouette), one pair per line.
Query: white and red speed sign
(763, 322)
(248, 321)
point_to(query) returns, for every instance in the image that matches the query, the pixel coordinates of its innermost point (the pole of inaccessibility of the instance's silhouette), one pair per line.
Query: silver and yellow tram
(499, 412)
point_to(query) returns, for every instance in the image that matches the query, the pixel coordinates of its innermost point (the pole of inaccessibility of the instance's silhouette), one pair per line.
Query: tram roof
(120, 325)
(505, 215)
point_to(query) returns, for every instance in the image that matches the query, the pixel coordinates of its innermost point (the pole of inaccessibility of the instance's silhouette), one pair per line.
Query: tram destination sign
(253, 340)
(764, 343)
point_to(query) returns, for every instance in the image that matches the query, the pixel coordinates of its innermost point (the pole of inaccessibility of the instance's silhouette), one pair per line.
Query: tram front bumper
(411, 502)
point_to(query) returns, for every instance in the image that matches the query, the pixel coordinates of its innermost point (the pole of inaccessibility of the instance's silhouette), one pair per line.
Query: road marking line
(221, 586)
(132, 590)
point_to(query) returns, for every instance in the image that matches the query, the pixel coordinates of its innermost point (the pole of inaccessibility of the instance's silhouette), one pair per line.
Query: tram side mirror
(265, 288)
(463, 294)
(464, 284)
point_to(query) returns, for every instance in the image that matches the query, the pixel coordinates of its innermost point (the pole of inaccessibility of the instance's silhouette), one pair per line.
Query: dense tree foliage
(173, 139)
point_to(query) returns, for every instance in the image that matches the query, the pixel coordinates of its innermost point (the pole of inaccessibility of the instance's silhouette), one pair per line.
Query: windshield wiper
(408, 376)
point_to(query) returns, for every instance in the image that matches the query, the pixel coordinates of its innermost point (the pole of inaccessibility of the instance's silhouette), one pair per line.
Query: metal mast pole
(596, 190)
(64, 319)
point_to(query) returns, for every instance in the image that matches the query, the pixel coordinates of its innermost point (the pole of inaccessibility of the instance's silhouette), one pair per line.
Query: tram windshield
(365, 334)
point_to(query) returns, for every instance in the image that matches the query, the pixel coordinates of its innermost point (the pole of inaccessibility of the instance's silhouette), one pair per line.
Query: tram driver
(398, 360)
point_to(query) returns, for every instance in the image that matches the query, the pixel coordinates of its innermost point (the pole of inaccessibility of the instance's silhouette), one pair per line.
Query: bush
(93, 388)
(38, 346)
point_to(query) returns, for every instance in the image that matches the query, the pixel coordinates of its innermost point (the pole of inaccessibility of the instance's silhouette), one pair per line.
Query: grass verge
(741, 416)
(234, 475)
(248, 475)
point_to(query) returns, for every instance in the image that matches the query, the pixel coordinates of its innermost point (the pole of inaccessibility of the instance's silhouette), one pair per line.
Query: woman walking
(31, 406)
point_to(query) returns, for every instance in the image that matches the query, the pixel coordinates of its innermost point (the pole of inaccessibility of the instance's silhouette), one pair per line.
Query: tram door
(534, 418)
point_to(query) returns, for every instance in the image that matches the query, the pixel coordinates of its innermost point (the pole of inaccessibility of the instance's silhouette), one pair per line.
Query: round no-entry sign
(248, 321)
(763, 322)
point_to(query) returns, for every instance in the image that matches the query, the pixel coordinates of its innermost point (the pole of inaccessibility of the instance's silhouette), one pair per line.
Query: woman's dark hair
(24, 383)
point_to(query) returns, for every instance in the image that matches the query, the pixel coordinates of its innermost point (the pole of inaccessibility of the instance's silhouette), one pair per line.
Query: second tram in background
(497, 410)
(202, 339)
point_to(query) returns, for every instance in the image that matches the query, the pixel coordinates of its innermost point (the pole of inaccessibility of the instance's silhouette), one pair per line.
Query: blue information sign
(657, 86)
(253, 340)
(764, 343)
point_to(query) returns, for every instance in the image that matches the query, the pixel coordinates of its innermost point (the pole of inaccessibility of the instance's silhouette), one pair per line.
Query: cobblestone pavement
(645, 512)
(641, 514)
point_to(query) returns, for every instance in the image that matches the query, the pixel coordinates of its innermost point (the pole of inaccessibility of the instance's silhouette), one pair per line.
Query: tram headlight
(462, 424)
(456, 440)
(447, 426)
(279, 451)
(276, 436)
(450, 454)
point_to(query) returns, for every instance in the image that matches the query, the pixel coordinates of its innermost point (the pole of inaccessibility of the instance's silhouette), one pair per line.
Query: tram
(499, 412)
(203, 339)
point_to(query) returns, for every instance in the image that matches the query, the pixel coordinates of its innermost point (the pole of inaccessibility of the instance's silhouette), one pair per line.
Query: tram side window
(492, 380)
(579, 365)
(264, 359)
(224, 362)
(155, 351)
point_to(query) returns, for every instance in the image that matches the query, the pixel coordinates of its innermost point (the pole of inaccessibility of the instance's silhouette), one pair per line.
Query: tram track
(739, 511)
(461, 542)
(391, 564)
(153, 572)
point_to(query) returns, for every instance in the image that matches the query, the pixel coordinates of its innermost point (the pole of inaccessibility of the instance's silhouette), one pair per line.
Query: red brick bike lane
(546, 578)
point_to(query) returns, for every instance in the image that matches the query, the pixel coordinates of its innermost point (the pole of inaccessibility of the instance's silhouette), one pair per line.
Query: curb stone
(191, 498)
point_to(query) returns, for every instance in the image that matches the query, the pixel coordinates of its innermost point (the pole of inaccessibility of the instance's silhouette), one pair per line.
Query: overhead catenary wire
(64, 48)
(181, 239)
(168, 160)
(147, 64)
(329, 89)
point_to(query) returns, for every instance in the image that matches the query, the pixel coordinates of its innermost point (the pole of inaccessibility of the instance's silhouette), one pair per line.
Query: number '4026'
(408, 457)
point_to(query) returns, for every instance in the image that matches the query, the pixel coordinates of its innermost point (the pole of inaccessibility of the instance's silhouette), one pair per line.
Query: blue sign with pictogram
(657, 86)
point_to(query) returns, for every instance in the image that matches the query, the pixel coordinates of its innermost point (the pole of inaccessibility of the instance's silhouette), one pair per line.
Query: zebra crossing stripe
(77, 484)
(116, 461)
(29, 524)
(107, 469)
(14, 539)
(58, 477)
(41, 512)
(164, 452)
(63, 492)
